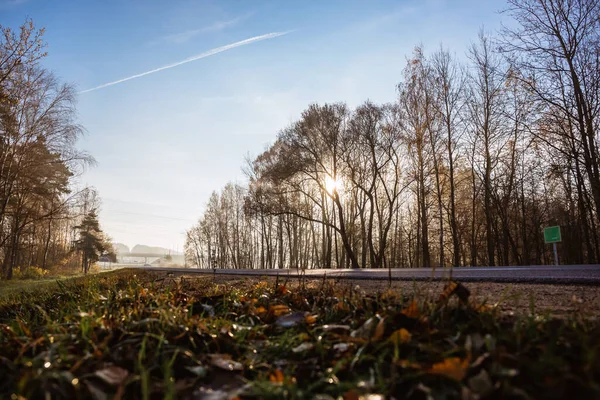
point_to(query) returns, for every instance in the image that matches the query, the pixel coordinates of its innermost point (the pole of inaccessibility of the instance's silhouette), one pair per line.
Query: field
(131, 334)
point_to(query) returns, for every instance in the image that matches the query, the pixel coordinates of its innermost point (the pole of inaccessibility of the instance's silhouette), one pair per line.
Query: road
(564, 274)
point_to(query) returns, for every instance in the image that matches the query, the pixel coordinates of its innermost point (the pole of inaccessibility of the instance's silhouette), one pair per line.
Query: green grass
(134, 335)
(12, 288)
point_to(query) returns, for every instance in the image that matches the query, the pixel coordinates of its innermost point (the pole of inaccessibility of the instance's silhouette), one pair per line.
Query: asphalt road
(564, 274)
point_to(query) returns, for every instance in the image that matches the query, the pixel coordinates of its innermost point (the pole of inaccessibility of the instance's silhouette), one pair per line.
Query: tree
(38, 155)
(91, 243)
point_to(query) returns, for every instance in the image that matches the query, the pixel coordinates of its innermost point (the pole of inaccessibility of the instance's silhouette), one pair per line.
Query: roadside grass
(13, 289)
(133, 334)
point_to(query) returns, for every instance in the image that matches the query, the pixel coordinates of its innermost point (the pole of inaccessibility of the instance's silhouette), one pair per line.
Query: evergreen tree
(91, 243)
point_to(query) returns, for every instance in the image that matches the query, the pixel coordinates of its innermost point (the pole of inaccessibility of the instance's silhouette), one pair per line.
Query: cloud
(208, 53)
(11, 3)
(183, 37)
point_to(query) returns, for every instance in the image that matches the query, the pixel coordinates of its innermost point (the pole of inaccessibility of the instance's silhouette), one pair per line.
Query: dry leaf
(400, 336)
(379, 330)
(282, 289)
(310, 319)
(303, 347)
(341, 306)
(276, 377)
(279, 309)
(364, 332)
(453, 367)
(407, 364)
(260, 310)
(448, 291)
(292, 319)
(113, 375)
(260, 285)
(457, 289)
(412, 311)
(225, 362)
(351, 395)
(484, 308)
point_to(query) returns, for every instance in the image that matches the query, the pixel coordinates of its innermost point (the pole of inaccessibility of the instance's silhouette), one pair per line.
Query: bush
(30, 272)
(69, 265)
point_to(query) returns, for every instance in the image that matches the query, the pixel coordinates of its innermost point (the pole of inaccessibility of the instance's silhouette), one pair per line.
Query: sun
(332, 184)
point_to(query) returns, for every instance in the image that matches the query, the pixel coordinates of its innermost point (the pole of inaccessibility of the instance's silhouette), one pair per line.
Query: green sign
(552, 234)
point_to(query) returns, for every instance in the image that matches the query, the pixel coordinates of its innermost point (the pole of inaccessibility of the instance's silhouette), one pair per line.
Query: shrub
(30, 272)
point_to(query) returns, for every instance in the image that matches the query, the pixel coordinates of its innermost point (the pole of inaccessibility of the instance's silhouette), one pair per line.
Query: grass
(129, 334)
(14, 289)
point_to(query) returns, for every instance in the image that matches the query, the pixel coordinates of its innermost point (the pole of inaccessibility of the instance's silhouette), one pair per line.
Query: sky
(212, 82)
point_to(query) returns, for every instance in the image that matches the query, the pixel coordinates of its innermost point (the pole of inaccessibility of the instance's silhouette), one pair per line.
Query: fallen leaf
(407, 364)
(448, 291)
(282, 289)
(113, 375)
(341, 306)
(351, 395)
(455, 288)
(484, 308)
(303, 347)
(336, 328)
(452, 367)
(310, 319)
(279, 309)
(292, 319)
(276, 377)
(225, 362)
(342, 347)
(400, 336)
(260, 285)
(379, 330)
(260, 310)
(390, 294)
(412, 311)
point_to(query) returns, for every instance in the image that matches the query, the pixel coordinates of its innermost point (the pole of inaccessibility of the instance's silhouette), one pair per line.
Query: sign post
(552, 235)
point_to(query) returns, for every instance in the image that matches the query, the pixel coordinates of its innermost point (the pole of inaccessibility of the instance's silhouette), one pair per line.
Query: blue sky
(165, 141)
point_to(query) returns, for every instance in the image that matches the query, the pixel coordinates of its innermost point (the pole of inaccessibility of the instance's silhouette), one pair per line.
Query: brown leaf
(407, 364)
(276, 377)
(260, 310)
(282, 289)
(448, 291)
(400, 336)
(341, 306)
(455, 288)
(453, 367)
(351, 395)
(379, 330)
(412, 311)
(279, 309)
(113, 375)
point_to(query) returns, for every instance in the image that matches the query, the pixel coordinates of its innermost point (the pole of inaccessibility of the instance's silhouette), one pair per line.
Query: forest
(45, 221)
(476, 155)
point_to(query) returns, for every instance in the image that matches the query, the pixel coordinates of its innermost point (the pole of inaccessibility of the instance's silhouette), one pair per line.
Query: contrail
(199, 56)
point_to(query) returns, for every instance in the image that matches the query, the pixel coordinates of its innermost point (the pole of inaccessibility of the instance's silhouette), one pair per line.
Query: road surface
(564, 274)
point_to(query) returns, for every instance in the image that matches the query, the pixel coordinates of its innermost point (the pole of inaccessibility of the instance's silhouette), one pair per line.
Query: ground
(132, 334)
(556, 300)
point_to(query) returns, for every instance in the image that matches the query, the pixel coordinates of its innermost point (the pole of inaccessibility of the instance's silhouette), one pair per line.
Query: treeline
(39, 212)
(466, 167)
